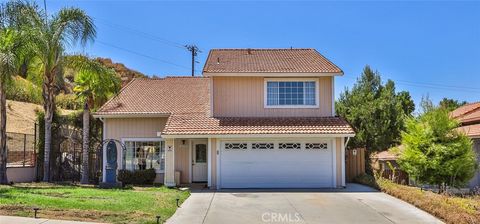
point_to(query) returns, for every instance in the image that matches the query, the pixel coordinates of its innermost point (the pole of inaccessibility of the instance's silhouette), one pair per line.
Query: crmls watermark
(276, 217)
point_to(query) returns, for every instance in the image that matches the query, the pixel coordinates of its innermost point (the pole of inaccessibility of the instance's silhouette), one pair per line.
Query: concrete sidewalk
(24, 220)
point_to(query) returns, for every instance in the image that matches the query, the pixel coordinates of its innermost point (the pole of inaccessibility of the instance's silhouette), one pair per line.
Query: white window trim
(144, 140)
(265, 92)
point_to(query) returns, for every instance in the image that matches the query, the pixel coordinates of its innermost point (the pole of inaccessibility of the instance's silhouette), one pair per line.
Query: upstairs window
(291, 94)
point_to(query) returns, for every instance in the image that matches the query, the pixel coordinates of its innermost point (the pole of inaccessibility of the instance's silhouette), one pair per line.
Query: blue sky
(428, 48)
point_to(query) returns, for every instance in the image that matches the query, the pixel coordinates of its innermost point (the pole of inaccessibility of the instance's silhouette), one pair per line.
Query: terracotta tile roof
(471, 130)
(471, 117)
(268, 60)
(160, 96)
(186, 101)
(384, 155)
(461, 111)
(198, 124)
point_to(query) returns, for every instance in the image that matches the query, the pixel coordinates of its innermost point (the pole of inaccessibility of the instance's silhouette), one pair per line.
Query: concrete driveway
(355, 204)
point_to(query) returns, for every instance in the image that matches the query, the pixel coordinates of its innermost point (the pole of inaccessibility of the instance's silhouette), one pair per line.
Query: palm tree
(12, 47)
(94, 84)
(53, 34)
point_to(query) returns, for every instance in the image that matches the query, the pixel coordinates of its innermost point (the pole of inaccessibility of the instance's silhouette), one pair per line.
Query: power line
(143, 55)
(142, 33)
(433, 86)
(440, 85)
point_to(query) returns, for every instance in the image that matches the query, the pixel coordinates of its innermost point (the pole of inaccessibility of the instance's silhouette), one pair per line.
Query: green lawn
(136, 205)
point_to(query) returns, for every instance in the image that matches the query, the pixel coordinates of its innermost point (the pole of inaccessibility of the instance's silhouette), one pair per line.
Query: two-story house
(258, 118)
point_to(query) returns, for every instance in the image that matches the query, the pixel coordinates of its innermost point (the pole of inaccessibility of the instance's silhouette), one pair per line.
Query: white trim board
(209, 163)
(272, 74)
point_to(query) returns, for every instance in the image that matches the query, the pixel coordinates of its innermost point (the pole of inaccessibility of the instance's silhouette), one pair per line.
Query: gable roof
(186, 103)
(143, 96)
(268, 60)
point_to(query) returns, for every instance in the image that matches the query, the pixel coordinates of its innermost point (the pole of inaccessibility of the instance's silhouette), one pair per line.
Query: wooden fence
(399, 176)
(354, 163)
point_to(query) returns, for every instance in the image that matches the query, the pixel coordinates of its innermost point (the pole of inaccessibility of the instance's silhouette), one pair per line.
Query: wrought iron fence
(21, 149)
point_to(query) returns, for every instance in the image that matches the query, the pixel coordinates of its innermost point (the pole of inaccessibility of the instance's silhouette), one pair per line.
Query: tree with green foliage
(451, 104)
(434, 152)
(94, 84)
(52, 35)
(375, 110)
(12, 47)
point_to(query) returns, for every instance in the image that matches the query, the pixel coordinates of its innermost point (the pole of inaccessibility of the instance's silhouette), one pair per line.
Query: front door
(199, 162)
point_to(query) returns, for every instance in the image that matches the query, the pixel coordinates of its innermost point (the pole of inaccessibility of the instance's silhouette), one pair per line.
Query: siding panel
(244, 96)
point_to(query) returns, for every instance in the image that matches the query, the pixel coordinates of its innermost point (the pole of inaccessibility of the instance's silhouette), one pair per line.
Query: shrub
(23, 90)
(435, 152)
(137, 177)
(450, 209)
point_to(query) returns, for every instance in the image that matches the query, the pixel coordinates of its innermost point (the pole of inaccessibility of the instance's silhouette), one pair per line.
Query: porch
(188, 162)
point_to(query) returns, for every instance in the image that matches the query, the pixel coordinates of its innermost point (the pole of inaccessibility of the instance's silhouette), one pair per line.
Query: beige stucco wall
(244, 97)
(21, 174)
(182, 161)
(119, 128)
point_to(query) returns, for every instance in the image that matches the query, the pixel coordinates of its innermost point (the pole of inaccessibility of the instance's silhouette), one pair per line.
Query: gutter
(131, 115)
(256, 135)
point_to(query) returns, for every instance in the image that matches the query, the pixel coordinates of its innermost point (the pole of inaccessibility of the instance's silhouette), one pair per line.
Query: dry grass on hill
(21, 116)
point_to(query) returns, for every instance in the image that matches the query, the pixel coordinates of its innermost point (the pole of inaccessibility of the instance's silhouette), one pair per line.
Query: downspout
(344, 181)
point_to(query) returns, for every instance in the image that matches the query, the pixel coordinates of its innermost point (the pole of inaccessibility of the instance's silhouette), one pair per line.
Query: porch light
(183, 142)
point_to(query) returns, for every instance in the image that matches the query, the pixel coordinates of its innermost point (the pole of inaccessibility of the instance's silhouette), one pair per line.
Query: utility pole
(45, 7)
(195, 50)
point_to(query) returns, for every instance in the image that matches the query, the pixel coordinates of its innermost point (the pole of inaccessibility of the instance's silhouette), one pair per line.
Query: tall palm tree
(12, 47)
(53, 34)
(94, 84)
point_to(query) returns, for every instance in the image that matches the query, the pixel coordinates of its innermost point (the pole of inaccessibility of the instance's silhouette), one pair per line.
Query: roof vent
(249, 51)
(218, 60)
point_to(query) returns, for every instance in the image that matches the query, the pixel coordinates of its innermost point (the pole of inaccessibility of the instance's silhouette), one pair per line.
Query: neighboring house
(469, 118)
(258, 118)
(383, 162)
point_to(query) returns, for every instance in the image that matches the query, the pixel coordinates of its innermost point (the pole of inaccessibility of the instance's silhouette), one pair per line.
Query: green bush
(137, 177)
(68, 101)
(435, 152)
(23, 90)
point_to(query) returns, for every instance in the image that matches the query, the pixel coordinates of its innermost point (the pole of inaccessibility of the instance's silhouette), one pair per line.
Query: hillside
(25, 98)
(126, 74)
(21, 116)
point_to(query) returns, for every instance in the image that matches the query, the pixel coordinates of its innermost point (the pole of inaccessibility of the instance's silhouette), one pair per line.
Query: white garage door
(276, 164)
